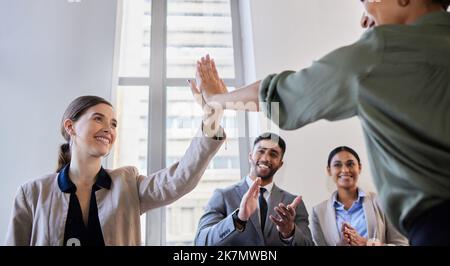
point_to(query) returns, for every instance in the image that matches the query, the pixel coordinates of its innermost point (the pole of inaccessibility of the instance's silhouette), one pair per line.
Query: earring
(403, 3)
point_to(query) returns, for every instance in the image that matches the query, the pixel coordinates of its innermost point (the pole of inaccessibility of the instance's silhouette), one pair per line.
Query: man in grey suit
(255, 212)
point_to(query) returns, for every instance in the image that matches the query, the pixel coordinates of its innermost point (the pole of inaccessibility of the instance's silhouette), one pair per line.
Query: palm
(284, 228)
(208, 80)
(285, 217)
(248, 206)
(249, 201)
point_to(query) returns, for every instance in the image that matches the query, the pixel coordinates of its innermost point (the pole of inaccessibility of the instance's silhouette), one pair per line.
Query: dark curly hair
(444, 3)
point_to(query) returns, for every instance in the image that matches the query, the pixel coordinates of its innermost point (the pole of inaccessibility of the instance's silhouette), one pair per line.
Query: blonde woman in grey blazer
(351, 216)
(84, 204)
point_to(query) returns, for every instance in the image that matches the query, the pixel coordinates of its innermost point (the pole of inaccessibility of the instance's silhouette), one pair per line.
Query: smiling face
(344, 169)
(265, 159)
(94, 132)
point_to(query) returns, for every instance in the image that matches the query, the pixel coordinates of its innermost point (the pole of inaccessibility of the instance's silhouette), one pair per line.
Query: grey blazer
(40, 207)
(216, 226)
(326, 233)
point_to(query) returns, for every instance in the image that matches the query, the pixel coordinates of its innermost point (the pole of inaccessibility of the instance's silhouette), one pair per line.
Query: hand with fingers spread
(198, 97)
(249, 202)
(285, 218)
(352, 237)
(212, 113)
(208, 80)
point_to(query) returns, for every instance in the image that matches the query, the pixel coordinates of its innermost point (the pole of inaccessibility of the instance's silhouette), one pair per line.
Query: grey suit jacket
(40, 208)
(326, 233)
(216, 227)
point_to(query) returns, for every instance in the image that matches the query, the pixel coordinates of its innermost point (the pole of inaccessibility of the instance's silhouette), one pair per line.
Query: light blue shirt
(354, 215)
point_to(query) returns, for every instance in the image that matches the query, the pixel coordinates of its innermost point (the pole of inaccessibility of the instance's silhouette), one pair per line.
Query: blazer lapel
(371, 220)
(276, 196)
(241, 189)
(330, 230)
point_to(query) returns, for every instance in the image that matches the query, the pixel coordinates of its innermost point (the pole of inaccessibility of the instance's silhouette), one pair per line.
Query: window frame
(156, 147)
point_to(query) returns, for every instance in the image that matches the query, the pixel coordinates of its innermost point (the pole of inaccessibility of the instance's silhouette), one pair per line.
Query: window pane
(131, 142)
(132, 116)
(195, 28)
(135, 39)
(183, 121)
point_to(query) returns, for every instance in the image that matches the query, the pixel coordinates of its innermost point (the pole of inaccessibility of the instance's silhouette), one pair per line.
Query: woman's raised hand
(208, 81)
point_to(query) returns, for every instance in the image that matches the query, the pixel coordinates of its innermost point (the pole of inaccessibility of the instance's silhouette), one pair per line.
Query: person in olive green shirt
(396, 78)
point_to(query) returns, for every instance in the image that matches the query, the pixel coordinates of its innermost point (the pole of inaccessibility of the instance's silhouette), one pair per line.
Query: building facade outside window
(159, 45)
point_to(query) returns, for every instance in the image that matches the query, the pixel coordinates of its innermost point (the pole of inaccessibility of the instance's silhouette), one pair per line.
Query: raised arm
(169, 184)
(215, 93)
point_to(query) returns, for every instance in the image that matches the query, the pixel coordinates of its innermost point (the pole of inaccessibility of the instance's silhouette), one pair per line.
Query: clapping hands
(285, 219)
(351, 236)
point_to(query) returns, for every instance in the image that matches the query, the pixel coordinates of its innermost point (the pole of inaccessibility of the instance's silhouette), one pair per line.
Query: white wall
(50, 52)
(290, 34)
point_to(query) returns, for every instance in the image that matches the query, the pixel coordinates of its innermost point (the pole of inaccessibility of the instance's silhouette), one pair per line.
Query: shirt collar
(268, 187)
(102, 180)
(361, 195)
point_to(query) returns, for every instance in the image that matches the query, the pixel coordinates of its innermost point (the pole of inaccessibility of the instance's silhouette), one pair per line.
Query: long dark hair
(73, 112)
(338, 150)
(444, 3)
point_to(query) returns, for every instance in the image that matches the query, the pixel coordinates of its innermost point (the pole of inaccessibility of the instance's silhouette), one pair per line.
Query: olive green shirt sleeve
(328, 89)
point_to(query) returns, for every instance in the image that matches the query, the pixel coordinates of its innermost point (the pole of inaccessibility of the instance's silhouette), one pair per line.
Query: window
(160, 44)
